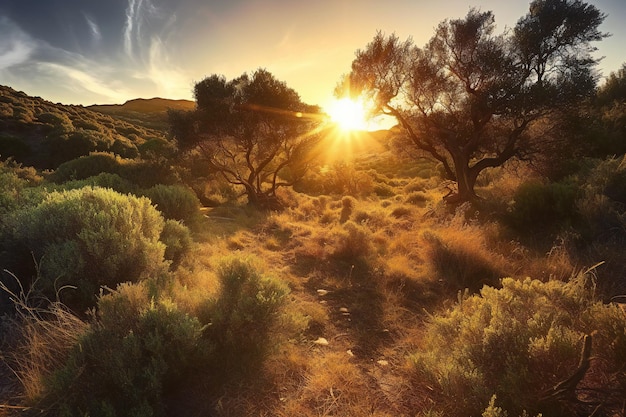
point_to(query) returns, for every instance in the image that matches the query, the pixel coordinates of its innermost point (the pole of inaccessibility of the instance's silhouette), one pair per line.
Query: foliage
(103, 180)
(174, 201)
(88, 238)
(138, 353)
(253, 130)
(613, 91)
(516, 342)
(543, 209)
(142, 173)
(17, 186)
(86, 166)
(242, 317)
(45, 135)
(460, 259)
(36, 341)
(177, 239)
(353, 243)
(469, 97)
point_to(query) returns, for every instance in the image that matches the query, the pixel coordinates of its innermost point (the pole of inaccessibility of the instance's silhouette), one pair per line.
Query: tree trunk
(465, 180)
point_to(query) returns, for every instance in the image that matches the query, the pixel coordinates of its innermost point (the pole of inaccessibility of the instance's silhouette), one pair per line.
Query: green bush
(86, 166)
(174, 201)
(103, 180)
(517, 343)
(143, 349)
(242, 317)
(177, 239)
(91, 237)
(15, 147)
(543, 208)
(127, 364)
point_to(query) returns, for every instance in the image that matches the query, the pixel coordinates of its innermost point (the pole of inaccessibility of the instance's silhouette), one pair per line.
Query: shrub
(384, 190)
(461, 259)
(177, 239)
(353, 243)
(401, 211)
(147, 173)
(15, 147)
(174, 201)
(243, 316)
(86, 166)
(417, 197)
(138, 354)
(89, 238)
(104, 180)
(543, 208)
(347, 207)
(517, 343)
(344, 178)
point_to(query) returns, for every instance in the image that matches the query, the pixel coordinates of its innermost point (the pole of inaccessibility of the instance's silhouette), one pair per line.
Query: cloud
(137, 12)
(16, 47)
(93, 27)
(80, 80)
(131, 11)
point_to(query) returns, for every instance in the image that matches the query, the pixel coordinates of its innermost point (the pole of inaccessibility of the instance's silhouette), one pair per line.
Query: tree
(469, 97)
(613, 91)
(253, 130)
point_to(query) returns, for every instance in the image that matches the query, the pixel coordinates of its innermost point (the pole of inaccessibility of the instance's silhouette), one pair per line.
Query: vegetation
(469, 97)
(143, 283)
(253, 131)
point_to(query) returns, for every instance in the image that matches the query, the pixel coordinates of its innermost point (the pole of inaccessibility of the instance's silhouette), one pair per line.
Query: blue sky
(109, 51)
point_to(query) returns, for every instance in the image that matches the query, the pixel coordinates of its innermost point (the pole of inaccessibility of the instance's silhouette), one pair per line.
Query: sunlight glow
(348, 114)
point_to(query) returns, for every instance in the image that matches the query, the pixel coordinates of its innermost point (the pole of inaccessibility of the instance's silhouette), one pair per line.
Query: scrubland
(143, 285)
(365, 295)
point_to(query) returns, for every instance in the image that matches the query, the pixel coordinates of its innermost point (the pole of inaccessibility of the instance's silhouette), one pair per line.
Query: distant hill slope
(150, 113)
(42, 134)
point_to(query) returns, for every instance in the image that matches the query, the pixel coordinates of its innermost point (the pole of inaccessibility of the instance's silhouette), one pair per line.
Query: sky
(109, 51)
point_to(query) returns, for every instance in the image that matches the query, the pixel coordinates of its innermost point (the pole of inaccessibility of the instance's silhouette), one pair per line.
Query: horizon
(88, 54)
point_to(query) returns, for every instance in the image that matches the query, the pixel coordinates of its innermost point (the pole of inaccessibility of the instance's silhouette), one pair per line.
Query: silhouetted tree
(469, 97)
(253, 130)
(614, 88)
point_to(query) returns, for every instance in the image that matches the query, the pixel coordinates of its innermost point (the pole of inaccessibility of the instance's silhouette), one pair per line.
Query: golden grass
(40, 341)
(418, 253)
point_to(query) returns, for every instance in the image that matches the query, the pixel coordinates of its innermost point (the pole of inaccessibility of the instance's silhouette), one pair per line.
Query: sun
(348, 114)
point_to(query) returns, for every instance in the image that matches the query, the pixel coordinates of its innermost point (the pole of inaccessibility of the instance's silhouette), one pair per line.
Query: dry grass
(39, 341)
(363, 273)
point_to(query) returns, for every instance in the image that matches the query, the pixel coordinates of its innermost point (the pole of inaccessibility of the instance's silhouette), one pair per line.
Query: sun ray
(348, 114)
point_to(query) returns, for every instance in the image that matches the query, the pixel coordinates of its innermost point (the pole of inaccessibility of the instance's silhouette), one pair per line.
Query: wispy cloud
(170, 80)
(85, 80)
(16, 47)
(93, 27)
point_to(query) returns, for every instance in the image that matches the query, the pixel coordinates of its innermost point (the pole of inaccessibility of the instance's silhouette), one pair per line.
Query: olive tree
(469, 97)
(254, 131)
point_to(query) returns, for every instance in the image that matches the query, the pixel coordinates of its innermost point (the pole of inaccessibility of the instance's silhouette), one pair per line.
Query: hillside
(36, 132)
(363, 295)
(150, 113)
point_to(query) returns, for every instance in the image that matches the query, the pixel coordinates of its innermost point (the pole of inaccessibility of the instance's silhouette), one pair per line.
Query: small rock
(344, 310)
(322, 293)
(349, 352)
(321, 341)
(383, 362)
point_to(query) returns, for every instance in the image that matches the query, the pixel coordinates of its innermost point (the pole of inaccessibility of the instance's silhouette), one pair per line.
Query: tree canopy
(253, 130)
(469, 97)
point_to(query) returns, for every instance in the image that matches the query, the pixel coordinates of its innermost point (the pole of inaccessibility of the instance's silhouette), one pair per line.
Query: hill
(42, 134)
(150, 113)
